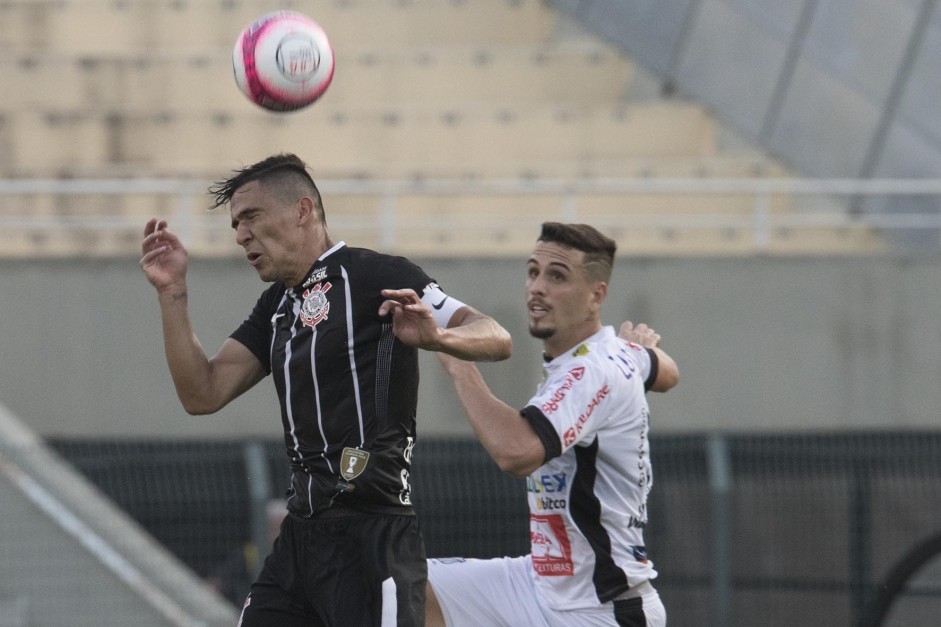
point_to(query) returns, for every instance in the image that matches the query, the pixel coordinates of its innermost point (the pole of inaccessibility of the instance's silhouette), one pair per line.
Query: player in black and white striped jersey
(582, 444)
(338, 331)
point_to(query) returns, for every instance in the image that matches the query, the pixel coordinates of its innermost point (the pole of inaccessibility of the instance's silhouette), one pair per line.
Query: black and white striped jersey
(348, 388)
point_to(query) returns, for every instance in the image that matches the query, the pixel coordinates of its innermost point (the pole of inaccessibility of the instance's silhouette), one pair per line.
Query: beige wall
(762, 343)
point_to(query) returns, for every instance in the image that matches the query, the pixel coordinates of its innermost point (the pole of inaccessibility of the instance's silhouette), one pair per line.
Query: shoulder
(272, 295)
(364, 262)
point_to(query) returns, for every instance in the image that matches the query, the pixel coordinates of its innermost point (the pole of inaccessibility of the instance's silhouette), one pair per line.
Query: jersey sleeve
(647, 361)
(442, 305)
(255, 331)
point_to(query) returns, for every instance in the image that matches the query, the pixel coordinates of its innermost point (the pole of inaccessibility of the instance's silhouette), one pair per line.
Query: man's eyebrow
(239, 214)
(559, 264)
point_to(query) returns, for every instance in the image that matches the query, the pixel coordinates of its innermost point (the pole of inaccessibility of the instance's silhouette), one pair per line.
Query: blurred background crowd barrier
(771, 172)
(775, 529)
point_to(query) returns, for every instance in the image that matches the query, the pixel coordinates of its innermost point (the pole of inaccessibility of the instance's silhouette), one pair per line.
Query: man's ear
(599, 292)
(305, 210)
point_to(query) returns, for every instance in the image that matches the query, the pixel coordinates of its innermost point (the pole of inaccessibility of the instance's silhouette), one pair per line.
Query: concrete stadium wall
(763, 344)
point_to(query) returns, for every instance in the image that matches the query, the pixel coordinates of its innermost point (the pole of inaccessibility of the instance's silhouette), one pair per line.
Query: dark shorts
(365, 569)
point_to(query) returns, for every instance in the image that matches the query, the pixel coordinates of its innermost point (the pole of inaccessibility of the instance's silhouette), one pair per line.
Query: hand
(641, 334)
(412, 320)
(164, 258)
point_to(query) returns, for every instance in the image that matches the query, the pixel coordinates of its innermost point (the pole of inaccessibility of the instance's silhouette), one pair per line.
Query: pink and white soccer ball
(283, 61)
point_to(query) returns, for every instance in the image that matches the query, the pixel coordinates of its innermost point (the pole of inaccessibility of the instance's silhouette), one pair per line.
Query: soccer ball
(283, 61)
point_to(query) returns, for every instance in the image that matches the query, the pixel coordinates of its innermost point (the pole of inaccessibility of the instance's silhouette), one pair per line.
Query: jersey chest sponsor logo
(548, 492)
(551, 547)
(318, 275)
(315, 306)
(573, 375)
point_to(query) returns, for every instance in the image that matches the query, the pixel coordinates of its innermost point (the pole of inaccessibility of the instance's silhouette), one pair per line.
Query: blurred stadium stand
(512, 91)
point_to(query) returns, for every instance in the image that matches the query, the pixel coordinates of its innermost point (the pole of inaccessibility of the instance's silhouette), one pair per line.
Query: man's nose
(242, 235)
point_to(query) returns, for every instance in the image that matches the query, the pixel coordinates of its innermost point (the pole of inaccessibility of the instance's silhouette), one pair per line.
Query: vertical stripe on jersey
(585, 508)
(317, 405)
(287, 380)
(383, 375)
(289, 406)
(351, 344)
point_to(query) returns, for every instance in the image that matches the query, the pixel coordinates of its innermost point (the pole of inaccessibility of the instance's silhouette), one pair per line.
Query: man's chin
(541, 333)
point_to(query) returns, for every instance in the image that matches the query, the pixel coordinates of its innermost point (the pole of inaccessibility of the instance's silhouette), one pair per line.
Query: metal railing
(755, 211)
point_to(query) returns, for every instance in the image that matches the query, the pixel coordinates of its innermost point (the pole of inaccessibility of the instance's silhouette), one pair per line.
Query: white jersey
(588, 502)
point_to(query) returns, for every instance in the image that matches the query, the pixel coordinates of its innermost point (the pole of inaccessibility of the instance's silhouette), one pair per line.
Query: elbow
(514, 468)
(666, 380)
(672, 380)
(519, 463)
(198, 407)
(504, 347)
(500, 346)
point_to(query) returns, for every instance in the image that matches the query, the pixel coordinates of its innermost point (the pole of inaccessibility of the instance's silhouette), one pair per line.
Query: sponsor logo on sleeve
(572, 433)
(573, 375)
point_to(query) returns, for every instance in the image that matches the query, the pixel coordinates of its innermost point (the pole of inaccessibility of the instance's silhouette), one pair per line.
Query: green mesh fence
(744, 529)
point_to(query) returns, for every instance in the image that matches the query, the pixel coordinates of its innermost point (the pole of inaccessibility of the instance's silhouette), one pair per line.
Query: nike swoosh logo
(441, 304)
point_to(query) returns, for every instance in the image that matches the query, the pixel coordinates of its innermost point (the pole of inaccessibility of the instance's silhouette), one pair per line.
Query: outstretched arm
(203, 385)
(469, 335)
(503, 432)
(668, 374)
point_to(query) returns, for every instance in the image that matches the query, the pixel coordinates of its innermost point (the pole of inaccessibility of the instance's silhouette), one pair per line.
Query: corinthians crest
(315, 305)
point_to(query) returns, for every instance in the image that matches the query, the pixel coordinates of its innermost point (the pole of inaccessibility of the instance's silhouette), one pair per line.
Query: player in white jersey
(582, 444)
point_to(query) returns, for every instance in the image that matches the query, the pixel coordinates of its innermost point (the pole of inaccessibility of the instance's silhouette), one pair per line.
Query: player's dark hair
(284, 175)
(599, 249)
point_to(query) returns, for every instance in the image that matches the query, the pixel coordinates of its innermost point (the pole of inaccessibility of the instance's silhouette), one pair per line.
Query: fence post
(860, 541)
(259, 488)
(717, 459)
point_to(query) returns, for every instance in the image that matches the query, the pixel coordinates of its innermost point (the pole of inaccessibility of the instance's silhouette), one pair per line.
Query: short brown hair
(599, 249)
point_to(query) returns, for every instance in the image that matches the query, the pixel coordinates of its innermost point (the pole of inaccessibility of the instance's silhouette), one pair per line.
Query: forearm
(668, 374)
(501, 430)
(189, 366)
(473, 336)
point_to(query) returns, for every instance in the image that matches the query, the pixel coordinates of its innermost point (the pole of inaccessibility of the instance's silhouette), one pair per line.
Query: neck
(308, 256)
(556, 345)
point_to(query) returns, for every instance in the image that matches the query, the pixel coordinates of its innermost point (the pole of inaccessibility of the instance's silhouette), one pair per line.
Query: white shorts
(499, 592)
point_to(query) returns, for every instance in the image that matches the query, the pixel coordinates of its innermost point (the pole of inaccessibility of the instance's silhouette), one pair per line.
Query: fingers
(388, 306)
(396, 307)
(406, 297)
(157, 240)
(640, 334)
(154, 225)
(401, 300)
